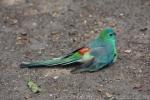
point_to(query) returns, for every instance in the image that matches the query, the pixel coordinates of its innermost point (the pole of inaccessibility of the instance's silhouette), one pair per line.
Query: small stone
(85, 21)
(138, 87)
(55, 77)
(100, 90)
(121, 14)
(108, 94)
(6, 48)
(142, 34)
(19, 38)
(90, 15)
(51, 22)
(112, 23)
(34, 24)
(92, 32)
(24, 34)
(3, 26)
(143, 29)
(15, 21)
(22, 38)
(140, 71)
(128, 51)
(50, 95)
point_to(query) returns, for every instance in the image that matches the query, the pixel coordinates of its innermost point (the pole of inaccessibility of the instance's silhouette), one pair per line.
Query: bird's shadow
(54, 67)
(74, 66)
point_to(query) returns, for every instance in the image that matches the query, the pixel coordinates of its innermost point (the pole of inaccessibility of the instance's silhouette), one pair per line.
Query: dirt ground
(41, 29)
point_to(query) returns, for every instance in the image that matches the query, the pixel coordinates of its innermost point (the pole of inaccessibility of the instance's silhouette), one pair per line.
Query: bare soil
(42, 29)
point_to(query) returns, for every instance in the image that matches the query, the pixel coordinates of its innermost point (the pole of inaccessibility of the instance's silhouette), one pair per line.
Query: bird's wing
(99, 58)
(81, 51)
(102, 54)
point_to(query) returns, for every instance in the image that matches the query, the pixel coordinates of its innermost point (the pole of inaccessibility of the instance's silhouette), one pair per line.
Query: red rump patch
(82, 51)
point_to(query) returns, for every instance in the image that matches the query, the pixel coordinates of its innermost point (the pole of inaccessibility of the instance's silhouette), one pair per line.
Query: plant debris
(34, 87)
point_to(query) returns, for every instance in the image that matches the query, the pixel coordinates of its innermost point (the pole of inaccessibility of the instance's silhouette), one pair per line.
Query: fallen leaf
(34, 87)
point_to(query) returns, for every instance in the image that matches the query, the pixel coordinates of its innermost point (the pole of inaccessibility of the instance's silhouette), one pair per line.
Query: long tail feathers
(49, 63)
(71, 58)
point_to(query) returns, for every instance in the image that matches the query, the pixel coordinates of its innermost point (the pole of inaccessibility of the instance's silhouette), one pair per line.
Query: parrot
(99, 53)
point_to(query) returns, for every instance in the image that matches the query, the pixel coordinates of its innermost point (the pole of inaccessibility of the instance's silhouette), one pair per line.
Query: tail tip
(24, 65)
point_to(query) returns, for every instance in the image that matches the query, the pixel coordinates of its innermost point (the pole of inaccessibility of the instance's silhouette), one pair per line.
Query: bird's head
(107, 34)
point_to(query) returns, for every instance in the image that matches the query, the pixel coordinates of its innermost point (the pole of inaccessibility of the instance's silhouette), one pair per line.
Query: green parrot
(99, 53)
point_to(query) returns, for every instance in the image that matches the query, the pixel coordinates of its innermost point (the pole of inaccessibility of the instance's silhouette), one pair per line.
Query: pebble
(143, 29)
(34, 24)
(24, 34)
(3, 26)
(55, 77)
(121, 14)
(90, 15)
(50, 95)
(108, 94)
(128, 51)
(14, 21)
(85, 21)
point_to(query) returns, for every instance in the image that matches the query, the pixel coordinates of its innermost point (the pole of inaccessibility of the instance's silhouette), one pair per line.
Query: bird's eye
(111, 34)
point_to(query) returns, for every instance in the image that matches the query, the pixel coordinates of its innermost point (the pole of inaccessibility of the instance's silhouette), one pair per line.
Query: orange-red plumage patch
(82, 51)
